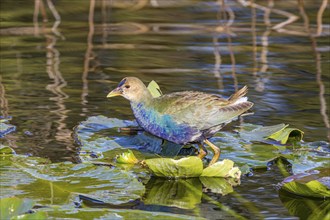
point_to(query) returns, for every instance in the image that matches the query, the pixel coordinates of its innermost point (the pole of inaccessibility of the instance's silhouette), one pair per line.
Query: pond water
(59, 59)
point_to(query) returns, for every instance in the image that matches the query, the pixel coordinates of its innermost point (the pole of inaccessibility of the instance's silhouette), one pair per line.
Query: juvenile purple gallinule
(182, 117)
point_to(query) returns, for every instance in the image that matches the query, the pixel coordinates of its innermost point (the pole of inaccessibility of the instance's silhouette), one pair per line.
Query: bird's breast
(163, 125)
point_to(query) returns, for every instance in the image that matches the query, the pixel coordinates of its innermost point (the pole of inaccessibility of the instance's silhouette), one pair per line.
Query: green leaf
(154, 89)
(287, 134)
(67, 180)
(309, 184)
(13, 206)
(305, 208)
(192, 167)
(4, 150)
(279, 132)
(243, 149)
(185, 167)
(127, 158)
(310, 189)
(261, 132)
(223, 168)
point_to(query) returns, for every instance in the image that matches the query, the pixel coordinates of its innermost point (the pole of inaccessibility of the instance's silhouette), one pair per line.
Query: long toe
(202, 151)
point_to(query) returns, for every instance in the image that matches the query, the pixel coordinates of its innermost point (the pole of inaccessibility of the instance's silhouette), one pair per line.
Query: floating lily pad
(311, 189)
(280, 133)
(101, 141)
(166, 189)
(249, 149)
(167, 167)
(67, 180)
(305, 208)
(59, 187)
(310, 184)
(16, 208)
(259, 133)
(185, 167)
(5, 150)
(127, 158)
(287, 134)
(223, 168)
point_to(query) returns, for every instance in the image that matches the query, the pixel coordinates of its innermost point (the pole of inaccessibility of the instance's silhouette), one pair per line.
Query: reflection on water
(59, 60)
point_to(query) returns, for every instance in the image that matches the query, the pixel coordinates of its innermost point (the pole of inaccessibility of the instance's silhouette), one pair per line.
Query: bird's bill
(115, 92)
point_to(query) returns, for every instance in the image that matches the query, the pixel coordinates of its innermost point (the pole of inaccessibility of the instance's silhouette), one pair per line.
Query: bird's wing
(201, 110)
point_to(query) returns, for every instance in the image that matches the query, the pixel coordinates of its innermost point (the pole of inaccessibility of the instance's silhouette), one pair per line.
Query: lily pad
(305, 208)
(5, 150)
(249, 149)
(308, 184)
(127, 158)
(259, 133)
(185, 167)
(280, 133)
(59, 188)
(223, 168)
(191, 167)
(16, 208)
(154, 89)
(286, 134)
(311, 189)
(66, 181)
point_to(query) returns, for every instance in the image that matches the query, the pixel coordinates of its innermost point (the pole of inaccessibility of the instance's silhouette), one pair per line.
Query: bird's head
(132, 89)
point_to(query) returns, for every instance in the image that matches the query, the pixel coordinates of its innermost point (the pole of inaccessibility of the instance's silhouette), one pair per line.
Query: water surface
(59, 61)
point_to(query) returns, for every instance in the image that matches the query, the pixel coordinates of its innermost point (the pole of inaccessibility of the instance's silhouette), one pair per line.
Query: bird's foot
(202, 151)
(202, 154)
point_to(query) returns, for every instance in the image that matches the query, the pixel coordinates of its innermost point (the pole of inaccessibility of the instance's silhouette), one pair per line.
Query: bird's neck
(142, 105)
(145, 98)
(144, 112)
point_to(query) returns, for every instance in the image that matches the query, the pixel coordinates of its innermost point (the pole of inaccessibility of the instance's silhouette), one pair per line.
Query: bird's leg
(216, 151)
(202, 151)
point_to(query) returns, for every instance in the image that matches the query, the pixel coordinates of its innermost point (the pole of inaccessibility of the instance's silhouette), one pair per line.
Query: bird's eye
(127, 86)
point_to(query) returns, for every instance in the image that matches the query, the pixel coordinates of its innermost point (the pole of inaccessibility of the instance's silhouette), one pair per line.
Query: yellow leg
(202, 151)
(216, 151)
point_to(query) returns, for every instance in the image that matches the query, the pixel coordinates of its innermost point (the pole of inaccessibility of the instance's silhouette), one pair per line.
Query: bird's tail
(239, 94)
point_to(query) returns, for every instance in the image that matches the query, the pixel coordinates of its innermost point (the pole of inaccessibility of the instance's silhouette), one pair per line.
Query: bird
(186, 117)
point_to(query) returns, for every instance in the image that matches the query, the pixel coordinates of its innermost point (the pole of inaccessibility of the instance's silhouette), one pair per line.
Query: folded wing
(202, 110)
